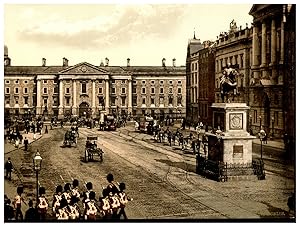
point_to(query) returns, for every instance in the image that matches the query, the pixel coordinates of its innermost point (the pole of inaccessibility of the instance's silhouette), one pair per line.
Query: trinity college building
(87, 90)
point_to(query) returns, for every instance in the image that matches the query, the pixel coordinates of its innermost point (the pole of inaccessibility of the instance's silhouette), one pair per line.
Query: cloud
(125, 25)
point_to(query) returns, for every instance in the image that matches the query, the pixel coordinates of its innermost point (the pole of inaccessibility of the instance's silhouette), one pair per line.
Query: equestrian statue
(228, 83)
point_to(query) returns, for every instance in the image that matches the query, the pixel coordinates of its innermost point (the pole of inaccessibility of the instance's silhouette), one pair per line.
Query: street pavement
(10, 187)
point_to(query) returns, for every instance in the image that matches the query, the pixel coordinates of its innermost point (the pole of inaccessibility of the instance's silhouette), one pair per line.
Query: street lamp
(37, 164)
(262, 135)
(259, 121)
(272, 127)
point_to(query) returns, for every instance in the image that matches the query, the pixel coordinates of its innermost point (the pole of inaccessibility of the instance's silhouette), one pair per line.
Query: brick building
(86, 90)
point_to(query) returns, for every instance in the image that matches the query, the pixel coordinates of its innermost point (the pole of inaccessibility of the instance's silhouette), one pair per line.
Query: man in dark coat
(8, 168)
(31, 213)
(26, 142)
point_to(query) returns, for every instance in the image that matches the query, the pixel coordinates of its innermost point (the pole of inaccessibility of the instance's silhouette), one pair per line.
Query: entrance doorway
(84, 110)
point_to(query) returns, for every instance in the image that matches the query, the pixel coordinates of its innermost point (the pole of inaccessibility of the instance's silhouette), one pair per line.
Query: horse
(228, 83)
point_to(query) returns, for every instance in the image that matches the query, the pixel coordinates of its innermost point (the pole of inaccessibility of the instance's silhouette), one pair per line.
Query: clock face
(236, 121)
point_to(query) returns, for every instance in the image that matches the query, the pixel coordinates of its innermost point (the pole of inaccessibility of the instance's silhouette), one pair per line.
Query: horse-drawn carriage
(91, 149)
(70, 138)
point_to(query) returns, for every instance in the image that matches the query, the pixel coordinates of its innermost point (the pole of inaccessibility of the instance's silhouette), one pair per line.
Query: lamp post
(37, 164)
(261, 135)
(259, 121)
(272, 127)
(250, 123)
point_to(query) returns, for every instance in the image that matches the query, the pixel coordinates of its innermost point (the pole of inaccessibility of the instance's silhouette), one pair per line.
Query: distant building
(86, 90)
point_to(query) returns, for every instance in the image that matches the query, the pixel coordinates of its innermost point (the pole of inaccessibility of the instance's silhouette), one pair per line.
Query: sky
(145, 33)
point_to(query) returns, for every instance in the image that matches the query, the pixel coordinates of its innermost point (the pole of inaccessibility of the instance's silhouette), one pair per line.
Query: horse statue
(228, 83)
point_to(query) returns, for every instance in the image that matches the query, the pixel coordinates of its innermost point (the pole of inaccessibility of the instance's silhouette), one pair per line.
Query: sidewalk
(10, 187)
(276, 143)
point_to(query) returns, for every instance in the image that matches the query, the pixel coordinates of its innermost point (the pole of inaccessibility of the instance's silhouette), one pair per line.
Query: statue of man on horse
(228, 82)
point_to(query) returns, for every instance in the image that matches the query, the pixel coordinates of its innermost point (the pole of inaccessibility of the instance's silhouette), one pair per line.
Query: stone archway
(84, 110)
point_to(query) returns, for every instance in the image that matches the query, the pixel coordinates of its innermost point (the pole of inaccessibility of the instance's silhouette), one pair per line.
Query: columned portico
(93, 98)
(273, 50)
(74, 108)
(107, 96)
(130, 95)
(38, 98)
(264, 49)
(61, 99)
(255, 55)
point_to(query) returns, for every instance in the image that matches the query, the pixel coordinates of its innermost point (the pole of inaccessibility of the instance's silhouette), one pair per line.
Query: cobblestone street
(160, 178)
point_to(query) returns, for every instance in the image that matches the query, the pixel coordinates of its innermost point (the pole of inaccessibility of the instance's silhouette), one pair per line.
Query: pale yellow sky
(143, 33)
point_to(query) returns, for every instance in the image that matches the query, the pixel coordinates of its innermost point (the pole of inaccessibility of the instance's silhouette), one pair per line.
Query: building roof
(40, 70)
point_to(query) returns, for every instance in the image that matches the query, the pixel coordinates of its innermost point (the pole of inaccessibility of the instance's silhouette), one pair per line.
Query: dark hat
(92, 195)
(89, 185)
(42, 190)
(110, 177)
(67, 186)
(59, 188)
(75, 183)
(122, 186)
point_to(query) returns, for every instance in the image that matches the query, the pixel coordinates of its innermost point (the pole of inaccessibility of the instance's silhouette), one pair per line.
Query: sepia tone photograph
(149, 112)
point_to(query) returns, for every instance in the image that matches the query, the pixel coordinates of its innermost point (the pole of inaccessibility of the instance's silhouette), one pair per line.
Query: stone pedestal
(231, 143)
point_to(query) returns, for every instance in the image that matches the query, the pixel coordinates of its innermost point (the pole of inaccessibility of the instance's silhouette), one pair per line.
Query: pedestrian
(8, 168)
(89, 188)
(46, 130)
(73, 209)
(62, 213)
(123, 201)
(34, 136)
(31, 213)
(18, 203)
(17, 142)
(91, 210)
(291, 203)
(105, 207)
(56, 199)
(42, 205)
(114, 202)
(8, 210)
(112, 186)
(26, 142)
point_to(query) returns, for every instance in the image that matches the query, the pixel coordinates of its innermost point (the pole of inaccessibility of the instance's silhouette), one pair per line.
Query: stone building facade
(272, 85)
(86, 90)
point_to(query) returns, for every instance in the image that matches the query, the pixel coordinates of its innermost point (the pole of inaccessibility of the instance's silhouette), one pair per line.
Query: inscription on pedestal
(237, 151)
(236, 121)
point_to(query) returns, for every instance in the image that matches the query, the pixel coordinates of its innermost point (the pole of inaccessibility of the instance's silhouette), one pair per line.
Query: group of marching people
(111, 205)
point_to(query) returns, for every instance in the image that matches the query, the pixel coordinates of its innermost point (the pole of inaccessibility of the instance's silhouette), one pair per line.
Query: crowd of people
(69, 203)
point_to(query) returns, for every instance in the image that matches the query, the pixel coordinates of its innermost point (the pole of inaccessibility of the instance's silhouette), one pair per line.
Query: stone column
(130, 96)
(255, 53)
(273, 49)
(264, 49)
(93, 98)
(74, 109)
(282, 44)
(61, 99)
(107, 96)
(38, 97)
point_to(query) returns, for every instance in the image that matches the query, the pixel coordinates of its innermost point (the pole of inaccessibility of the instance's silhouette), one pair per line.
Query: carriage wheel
(85, 155)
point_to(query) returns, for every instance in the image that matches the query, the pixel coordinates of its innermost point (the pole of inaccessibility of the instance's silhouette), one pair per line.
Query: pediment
(257, 7)
(83, 68)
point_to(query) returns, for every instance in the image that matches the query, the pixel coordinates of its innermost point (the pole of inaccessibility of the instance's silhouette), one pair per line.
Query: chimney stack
(106, 61)
(43, 61)
(164, 62)
(65, 62)
(128, 62)
(101, 64)
(174, 62)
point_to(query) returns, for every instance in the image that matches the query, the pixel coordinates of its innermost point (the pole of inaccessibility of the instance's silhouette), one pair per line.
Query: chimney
(101, 64)
(164, 62)
(128, 62)
(43, 61)
(65, 62)
(174, 62)
(106, 61)
(6, 58)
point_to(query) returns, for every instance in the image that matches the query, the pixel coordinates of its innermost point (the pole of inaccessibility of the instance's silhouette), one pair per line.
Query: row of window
(100, 90)
(100, 81)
